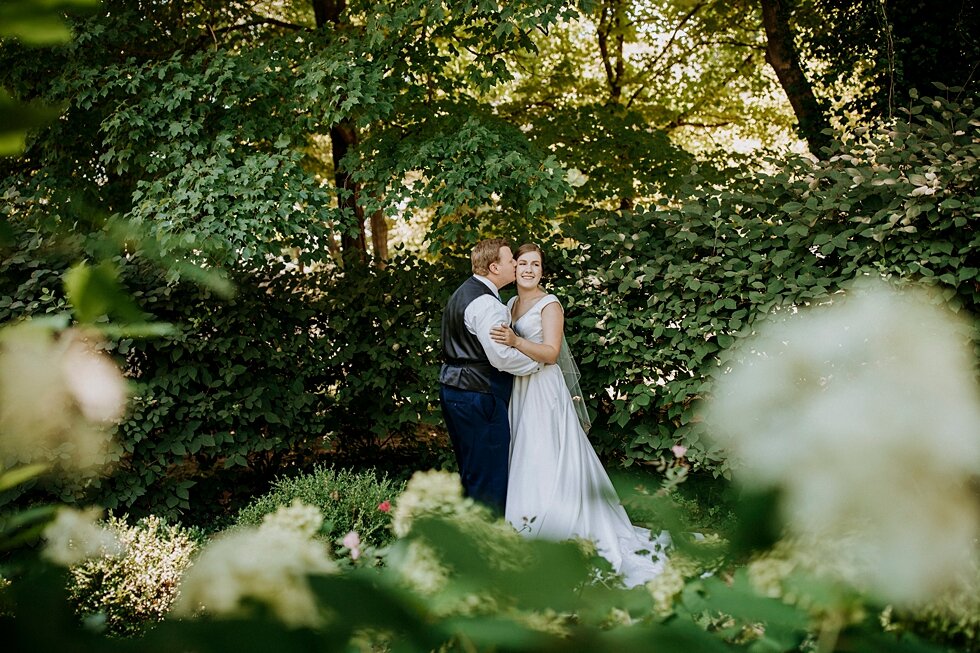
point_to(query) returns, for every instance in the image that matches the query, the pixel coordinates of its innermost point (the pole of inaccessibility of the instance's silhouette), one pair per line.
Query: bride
(558, 489)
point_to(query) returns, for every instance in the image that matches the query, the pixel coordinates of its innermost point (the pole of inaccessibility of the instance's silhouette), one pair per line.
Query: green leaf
(784, 624)
(39, 23)
(138, 330)
(359, 601)
(95, 291)
(17, 118)
(14, 477)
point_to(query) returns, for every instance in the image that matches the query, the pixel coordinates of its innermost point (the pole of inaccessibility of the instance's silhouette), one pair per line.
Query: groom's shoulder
(470, 290)
(467, 283)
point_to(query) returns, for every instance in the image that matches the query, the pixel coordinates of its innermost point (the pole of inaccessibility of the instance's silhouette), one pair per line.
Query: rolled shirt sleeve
(484, 313)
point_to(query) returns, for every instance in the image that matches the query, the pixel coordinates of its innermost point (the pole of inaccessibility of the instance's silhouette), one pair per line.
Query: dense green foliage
(886, 51)
(348, 500)
(296, 364)
(462, 583)
(302, 362)
(656, 297)
(215, 145)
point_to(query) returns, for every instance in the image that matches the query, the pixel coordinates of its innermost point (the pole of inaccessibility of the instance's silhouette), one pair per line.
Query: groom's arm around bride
(477, 374)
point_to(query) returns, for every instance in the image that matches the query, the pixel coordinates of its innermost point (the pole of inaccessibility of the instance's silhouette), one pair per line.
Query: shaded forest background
(294, 186)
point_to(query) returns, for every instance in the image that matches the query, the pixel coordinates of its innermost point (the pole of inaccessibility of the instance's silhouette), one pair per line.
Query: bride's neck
(529, 293)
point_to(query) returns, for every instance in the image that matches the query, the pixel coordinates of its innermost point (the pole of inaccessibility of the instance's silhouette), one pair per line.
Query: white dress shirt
(486, 312)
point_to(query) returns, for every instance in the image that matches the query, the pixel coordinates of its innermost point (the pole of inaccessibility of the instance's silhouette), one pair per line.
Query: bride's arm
(552, 323)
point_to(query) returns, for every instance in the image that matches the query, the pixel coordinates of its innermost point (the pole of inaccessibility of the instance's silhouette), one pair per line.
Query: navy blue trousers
(480, 433)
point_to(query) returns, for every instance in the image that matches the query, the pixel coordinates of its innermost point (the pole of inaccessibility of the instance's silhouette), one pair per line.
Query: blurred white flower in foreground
(439, 495)
(56, 397)
(421, 568)
(268, 564)
(93, 381)
(297, 516)
(865, 414)
(431, 493)
(74, 536)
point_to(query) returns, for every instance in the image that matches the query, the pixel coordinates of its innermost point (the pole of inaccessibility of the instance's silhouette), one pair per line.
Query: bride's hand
(504, 335)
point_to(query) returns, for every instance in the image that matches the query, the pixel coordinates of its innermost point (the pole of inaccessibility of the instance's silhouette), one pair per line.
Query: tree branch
(679, 120)
(705, 125)
(663, 51)
(257, 22)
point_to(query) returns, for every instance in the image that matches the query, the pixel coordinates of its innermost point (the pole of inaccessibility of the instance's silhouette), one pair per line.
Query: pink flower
(679, 450)
(353, 542)
(385, 506)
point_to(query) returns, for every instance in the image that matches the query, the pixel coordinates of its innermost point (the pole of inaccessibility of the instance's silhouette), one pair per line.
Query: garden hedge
(303, 361)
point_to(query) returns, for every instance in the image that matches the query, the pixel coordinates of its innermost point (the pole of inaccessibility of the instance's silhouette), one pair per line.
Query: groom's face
(508, 266)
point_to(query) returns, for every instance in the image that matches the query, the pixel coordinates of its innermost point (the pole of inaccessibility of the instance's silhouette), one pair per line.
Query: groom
(475, 379)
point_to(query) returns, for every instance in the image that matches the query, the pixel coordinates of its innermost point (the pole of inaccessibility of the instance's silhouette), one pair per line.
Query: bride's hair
(530, 247)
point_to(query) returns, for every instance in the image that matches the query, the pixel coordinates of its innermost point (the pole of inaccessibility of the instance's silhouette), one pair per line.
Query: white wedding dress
(558, 488)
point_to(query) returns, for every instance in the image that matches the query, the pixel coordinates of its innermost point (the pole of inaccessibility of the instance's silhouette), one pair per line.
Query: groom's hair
(486, 252)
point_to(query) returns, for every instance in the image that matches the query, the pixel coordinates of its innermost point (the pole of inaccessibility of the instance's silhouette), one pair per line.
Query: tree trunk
(328, 11)
(610, 31)
(781, 54)
(610, 25)
(379, 237)
(343, 137)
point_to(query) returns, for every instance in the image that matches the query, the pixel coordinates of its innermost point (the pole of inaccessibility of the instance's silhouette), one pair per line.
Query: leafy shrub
(655, 298)
(137, 588)
(349, 501)
(300, 363)
(294, 365)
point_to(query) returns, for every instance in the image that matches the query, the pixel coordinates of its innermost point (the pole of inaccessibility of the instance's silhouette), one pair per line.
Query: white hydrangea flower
(297, 516)
(665, 587)
(266, 564)
(440, 494)
(74, 536)
(865, 413)
(421, 569)
(575, 177)
(432, 492)
(94, 382)
(768, 573)
(56, 396)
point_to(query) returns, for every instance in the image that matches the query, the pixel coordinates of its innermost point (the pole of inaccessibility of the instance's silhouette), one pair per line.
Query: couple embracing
(516, 418)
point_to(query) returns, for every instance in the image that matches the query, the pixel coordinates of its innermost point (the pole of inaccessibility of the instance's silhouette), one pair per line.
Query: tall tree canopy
(239, 129)
(192, 118)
